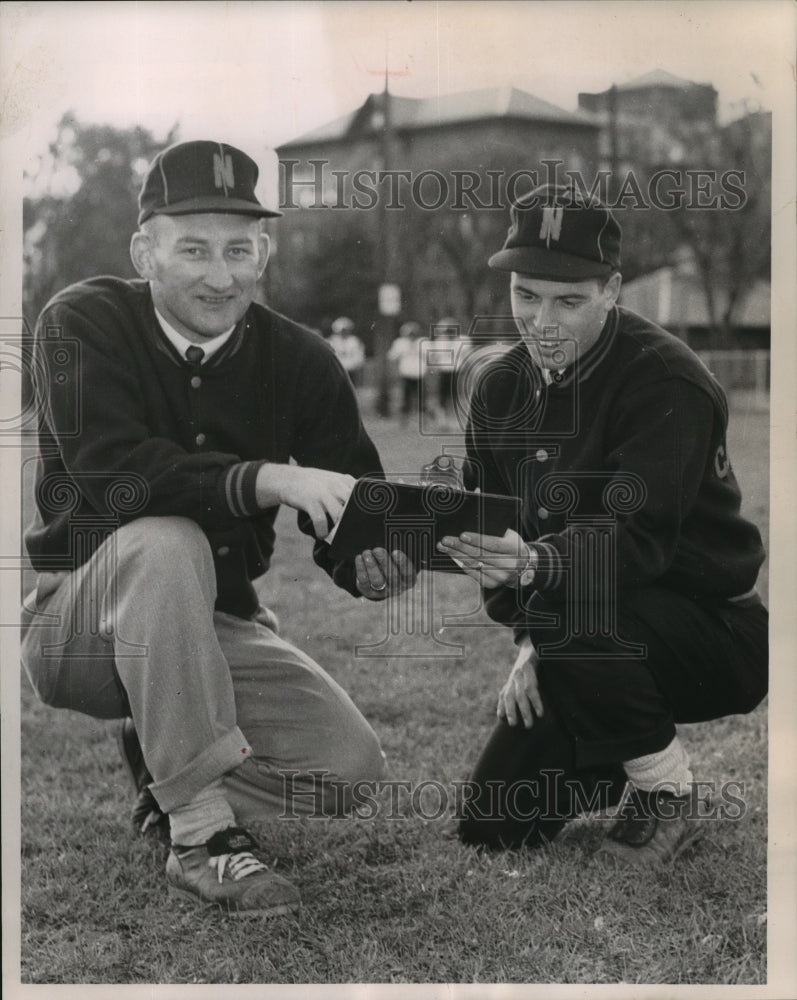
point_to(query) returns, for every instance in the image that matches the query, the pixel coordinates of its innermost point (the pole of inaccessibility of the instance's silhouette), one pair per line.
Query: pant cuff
(227, 753)
(594, 753)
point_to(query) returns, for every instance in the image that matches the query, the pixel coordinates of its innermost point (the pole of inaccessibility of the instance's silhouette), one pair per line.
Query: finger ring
(380, 589)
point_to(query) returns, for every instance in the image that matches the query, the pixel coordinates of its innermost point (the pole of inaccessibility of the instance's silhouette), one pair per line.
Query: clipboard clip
(443, 471)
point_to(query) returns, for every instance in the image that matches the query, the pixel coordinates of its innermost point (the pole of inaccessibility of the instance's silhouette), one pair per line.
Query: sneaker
(147, 816)
(651, 829)
(224, 872)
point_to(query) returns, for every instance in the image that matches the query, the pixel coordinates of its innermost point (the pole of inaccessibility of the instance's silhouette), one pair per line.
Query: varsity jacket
(129, 429)
(623, 469)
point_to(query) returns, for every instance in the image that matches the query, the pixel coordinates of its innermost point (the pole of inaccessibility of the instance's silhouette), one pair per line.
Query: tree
(338, 275)
(730, 244)
(81, 210)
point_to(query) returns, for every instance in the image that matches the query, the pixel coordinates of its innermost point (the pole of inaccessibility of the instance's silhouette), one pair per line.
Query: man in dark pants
(631, 585)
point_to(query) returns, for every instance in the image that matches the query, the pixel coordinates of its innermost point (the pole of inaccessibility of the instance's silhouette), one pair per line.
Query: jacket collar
(584, 366)
(166, 345)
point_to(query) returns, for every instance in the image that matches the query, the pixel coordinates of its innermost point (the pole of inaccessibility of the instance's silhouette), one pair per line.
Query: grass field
(395, 898)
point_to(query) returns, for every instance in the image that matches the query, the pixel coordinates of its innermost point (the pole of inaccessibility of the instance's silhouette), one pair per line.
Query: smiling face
(560, 320)
(202, 269)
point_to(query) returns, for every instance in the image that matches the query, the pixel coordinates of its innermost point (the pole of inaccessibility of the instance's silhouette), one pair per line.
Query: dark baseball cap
(199, 177)
(558, 234)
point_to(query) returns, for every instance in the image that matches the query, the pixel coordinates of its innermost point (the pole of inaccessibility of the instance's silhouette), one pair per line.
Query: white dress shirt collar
(209, 346)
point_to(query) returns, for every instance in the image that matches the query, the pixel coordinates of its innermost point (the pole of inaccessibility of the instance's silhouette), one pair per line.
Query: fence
(744, 375)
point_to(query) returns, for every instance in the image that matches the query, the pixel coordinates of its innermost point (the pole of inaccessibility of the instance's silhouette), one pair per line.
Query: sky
(263, 73)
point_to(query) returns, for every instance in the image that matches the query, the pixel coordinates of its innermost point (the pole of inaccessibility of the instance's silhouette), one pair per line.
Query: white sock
(206, 814)
(668, 767)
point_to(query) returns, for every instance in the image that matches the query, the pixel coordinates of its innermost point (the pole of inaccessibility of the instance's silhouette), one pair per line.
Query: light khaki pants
(133, 632)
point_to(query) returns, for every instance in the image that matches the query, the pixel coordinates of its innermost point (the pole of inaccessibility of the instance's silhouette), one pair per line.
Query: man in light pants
(176, 416)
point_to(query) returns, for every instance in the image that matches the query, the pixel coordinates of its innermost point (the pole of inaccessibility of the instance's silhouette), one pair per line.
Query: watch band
(526, 577)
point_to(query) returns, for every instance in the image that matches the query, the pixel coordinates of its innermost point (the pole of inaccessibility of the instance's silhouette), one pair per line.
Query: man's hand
(521, 694)
(491, 559)
(380, 575)
(321, 494)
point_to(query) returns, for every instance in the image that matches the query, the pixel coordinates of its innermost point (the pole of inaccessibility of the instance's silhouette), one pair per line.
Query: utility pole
(614, 153)
(389, 298)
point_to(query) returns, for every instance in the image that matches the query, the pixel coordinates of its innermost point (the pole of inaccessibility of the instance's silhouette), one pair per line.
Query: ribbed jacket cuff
(238, 488)
(550, 571)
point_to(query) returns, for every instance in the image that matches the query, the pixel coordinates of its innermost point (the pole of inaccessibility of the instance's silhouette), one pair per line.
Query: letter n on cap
(551, 227)
(222, 171)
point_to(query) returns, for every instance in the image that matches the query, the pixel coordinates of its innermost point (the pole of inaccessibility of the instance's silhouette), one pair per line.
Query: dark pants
(445, 390)
(700, 661)
(410, 396)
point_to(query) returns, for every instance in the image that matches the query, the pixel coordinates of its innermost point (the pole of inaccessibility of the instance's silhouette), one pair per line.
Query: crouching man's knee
(335, 790)
(501, 816)
(165, 543)
(170, 556)
(359, 770)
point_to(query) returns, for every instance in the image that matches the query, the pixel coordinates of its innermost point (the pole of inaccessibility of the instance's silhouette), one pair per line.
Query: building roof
(409, 113)
(656, 78)
(659, 78)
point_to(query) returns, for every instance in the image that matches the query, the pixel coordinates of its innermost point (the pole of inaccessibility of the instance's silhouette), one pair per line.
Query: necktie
(194, 356)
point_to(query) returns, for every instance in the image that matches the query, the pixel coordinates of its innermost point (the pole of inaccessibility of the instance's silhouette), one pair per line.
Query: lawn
(395, 898)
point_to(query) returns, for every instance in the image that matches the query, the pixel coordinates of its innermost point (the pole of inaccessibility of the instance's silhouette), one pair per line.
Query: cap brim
(552, 265)
(221, 206)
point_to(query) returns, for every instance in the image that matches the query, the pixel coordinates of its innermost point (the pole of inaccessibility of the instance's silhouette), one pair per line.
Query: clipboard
(413, 518)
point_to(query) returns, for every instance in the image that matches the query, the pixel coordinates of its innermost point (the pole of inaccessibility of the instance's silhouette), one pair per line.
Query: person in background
(445, 354)
(407, 352)
(349, 349)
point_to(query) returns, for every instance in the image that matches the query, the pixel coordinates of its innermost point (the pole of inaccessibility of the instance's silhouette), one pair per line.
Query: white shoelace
(239, 865)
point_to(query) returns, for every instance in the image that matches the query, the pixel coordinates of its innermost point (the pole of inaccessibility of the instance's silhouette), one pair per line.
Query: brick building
(416, 189)
(654, 117)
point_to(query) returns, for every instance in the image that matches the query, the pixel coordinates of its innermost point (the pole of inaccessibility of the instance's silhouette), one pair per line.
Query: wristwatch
(529, 570)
